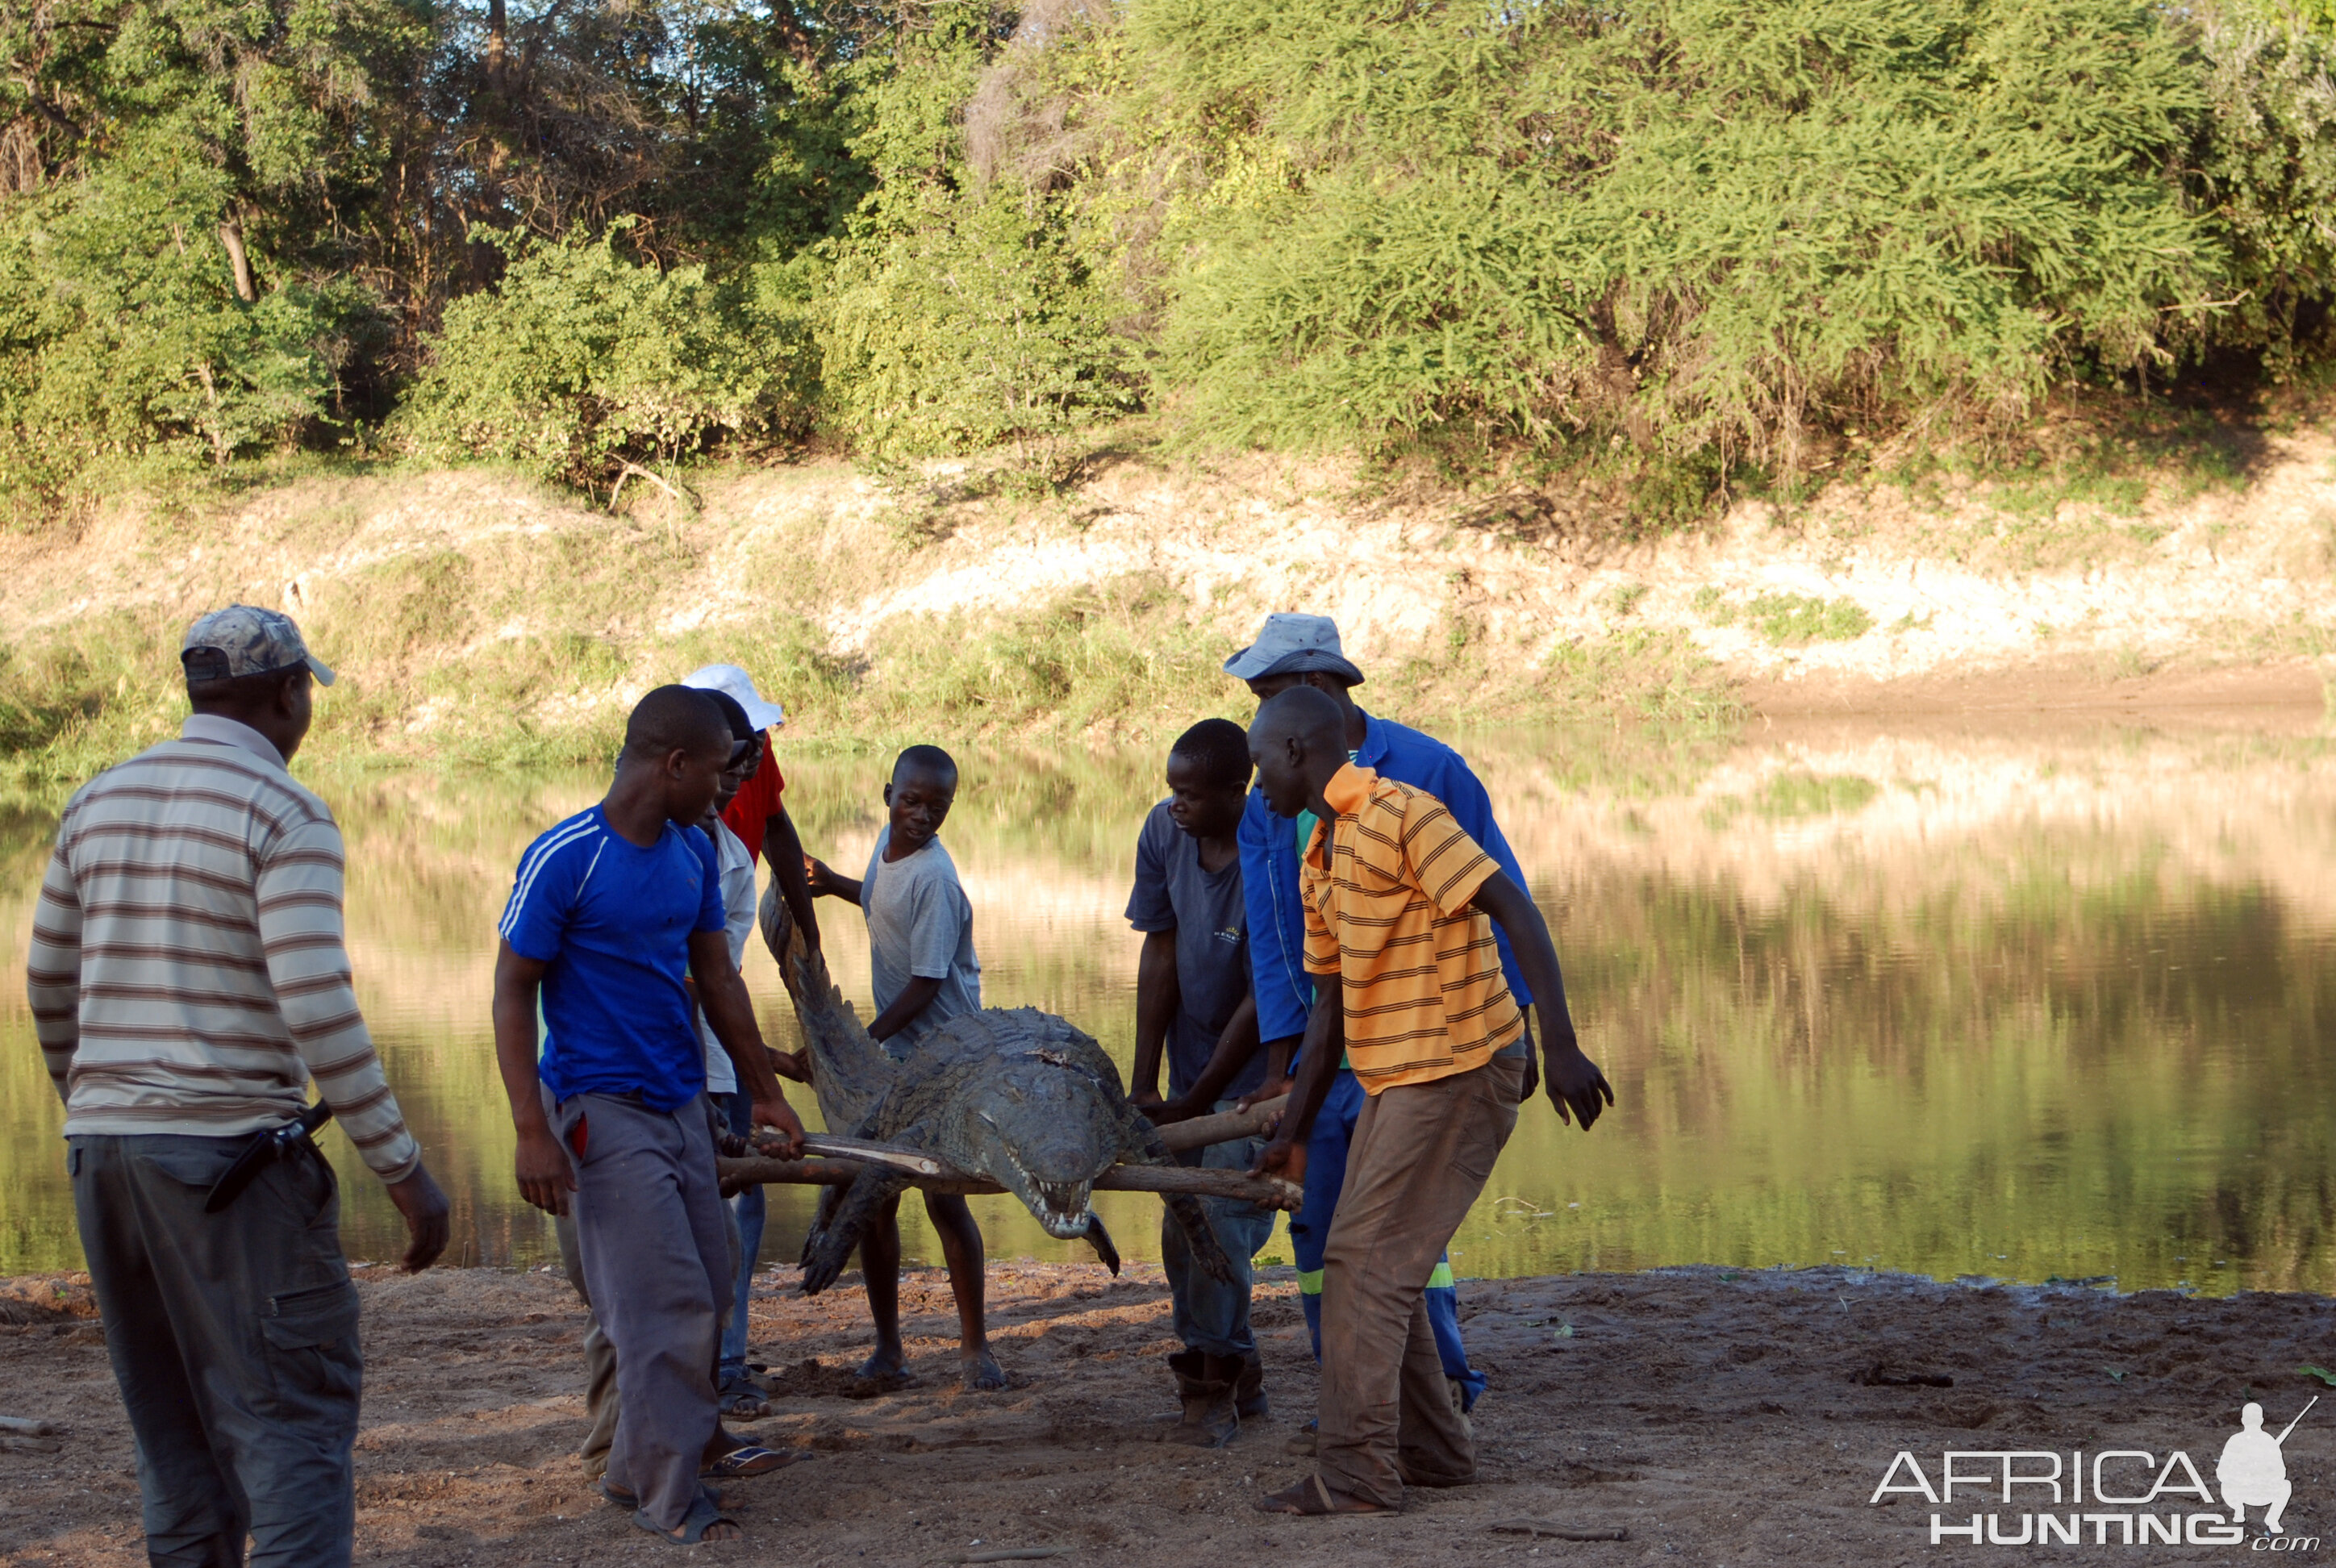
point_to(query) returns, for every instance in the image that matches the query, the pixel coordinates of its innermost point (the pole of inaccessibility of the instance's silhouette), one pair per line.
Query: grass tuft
(1796, 619)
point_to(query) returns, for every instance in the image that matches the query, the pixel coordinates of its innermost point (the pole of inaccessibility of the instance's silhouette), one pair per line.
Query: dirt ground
(1717, 1417)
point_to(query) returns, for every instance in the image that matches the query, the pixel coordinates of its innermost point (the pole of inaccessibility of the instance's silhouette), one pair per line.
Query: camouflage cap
(243, 639)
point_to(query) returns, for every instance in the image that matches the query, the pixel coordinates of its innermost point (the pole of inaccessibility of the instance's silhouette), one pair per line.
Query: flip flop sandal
(752, 1459)
(703, 1515)
(1312, 1498)
(617, 1497)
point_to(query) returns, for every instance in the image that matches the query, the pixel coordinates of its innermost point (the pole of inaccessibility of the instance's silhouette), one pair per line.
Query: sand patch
(1716, 1416)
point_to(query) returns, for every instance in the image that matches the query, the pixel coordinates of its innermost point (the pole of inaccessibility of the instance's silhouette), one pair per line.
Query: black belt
(267, 1147)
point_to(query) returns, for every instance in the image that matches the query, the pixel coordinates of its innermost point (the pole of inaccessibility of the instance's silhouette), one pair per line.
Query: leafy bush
(120, 340)
(581, 361)
(964, 311)
(1694, 224)
(977, 330)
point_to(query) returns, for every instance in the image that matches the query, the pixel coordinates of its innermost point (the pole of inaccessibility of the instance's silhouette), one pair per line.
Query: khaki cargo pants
(1421, 1155)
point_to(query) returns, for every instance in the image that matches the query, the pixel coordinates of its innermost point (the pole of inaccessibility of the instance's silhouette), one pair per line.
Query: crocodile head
(1043, 1134)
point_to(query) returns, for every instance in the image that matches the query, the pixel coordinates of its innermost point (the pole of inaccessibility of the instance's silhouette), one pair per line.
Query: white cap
(739, 686)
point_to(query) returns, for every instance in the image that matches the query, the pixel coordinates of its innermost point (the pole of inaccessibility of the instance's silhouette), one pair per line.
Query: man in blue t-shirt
(1304, 650)
(611, 913)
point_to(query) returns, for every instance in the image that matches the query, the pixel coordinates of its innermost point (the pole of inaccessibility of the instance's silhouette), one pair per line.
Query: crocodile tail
(848, 1070)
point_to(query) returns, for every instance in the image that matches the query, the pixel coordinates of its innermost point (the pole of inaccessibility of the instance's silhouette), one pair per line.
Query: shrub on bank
(582, 361)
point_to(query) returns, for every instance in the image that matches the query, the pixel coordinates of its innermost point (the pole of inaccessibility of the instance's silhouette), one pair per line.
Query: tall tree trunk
(230, 232)
(498, 43)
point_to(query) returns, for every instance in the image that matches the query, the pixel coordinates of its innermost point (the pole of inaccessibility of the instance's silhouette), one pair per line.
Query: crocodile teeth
(1061, 1207)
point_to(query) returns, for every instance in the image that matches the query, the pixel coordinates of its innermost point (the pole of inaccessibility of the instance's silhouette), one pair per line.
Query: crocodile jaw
(1059, 1206)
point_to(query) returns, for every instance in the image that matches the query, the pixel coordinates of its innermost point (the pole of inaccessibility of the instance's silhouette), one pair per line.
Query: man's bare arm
(782, 852)
(730, 1013)
(1236, 1044)
(1157, 996)
(1318, 1064)
(824, 880)
(1576, 1087)
(545, 1175)
(914, 998)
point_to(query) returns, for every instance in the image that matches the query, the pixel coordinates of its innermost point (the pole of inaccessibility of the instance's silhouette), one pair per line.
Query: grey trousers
(234, 1339)
(600, 1401)
(656, 1264)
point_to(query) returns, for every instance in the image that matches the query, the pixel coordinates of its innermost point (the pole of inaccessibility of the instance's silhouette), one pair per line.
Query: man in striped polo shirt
(1304, 650)
(1401, 909)
(187, 980)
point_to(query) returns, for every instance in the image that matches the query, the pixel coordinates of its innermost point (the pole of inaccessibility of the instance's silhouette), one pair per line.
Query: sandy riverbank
(1720, 1417)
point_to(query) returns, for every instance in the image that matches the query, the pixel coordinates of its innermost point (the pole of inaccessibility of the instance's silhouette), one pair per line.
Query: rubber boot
(1205, 1384)
(1249, 1390)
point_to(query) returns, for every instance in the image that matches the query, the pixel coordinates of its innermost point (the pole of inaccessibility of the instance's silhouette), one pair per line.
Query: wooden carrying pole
(1271, 1191)
(1222, 1127)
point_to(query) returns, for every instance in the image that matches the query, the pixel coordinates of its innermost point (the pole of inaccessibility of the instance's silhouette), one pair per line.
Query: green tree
(963, 309)
(1694, 223)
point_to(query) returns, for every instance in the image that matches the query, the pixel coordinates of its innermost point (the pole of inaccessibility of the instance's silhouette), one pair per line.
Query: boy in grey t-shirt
(921, 949)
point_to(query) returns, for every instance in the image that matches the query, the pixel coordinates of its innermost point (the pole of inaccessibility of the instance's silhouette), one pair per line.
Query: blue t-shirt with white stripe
(613, 921)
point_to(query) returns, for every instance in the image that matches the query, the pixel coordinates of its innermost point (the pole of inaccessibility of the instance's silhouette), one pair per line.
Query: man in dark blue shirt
(1304, 650)
(1192, 1006)
(611, 914)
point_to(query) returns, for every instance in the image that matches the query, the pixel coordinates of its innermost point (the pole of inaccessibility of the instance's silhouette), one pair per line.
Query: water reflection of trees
(2019, 1069)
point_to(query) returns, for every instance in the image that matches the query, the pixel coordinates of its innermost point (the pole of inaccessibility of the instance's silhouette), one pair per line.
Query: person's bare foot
(889, 1362)
(980, 1371)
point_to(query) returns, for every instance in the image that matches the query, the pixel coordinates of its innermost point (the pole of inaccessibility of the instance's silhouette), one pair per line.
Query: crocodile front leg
(840, 1223)
(1100, 1240)
(1142, 1147)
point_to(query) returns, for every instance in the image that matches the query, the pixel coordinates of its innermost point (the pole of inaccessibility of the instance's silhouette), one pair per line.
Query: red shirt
(758, 803)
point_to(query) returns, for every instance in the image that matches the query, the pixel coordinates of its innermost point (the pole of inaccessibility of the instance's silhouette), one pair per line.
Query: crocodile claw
(1100, 1240)
(1201, 1236)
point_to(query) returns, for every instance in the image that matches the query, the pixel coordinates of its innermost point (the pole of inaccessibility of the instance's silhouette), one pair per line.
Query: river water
(2051, 1001)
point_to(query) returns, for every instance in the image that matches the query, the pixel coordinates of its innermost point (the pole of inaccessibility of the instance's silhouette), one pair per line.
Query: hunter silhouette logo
(2253, 1470)
(2114, 1497)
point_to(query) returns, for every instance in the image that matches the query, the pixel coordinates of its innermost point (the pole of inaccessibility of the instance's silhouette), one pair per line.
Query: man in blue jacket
(1303, 650)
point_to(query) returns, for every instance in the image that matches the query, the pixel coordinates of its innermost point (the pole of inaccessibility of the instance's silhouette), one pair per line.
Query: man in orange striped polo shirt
(1401, 910)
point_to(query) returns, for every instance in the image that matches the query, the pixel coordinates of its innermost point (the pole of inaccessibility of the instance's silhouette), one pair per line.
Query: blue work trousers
(1309, 1232)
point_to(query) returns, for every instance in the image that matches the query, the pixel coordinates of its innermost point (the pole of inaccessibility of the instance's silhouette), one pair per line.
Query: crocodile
(1018, 1096)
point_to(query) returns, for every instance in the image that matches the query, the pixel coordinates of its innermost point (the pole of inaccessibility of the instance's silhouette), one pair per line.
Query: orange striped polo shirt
(1387, 890)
